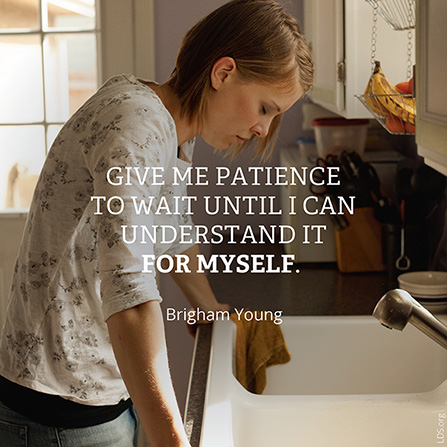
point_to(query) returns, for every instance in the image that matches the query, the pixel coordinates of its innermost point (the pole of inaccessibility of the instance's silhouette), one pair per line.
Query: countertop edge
(195, 402)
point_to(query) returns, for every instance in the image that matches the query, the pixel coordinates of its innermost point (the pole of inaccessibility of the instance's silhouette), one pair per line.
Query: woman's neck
(185, 129)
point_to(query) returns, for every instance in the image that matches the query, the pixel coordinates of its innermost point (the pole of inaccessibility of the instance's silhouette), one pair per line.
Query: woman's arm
(138, 340)
(195, 286)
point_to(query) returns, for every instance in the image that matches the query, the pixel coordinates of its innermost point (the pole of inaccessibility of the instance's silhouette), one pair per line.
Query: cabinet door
(326, 38)
(340, 32)
(431, 94)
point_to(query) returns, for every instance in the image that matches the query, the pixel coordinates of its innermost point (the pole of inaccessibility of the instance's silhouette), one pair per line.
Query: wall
(12, 228)
(171, 23)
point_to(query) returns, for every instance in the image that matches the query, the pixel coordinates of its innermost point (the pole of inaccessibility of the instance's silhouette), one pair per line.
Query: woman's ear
(222, 71)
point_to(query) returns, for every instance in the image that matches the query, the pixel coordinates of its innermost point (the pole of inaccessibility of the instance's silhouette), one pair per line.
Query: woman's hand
(201, 316)
(196, 287)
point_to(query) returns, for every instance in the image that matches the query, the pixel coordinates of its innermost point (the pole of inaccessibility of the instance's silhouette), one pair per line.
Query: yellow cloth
(258, 344)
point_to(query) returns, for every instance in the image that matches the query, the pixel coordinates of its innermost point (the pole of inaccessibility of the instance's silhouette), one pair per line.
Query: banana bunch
(384, 98)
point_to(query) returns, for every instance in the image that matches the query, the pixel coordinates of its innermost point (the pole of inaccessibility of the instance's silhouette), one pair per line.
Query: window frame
(42, 33)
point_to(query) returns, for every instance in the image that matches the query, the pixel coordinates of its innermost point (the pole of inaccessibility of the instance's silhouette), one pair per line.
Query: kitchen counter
(318, 289)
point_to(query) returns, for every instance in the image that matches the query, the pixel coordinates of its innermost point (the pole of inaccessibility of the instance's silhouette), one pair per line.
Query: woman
(84, 330)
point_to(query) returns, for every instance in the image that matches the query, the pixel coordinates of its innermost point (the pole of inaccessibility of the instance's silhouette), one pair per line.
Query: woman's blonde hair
(264, 40)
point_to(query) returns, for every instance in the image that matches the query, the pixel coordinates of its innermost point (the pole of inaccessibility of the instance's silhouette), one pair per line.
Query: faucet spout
(397, 308)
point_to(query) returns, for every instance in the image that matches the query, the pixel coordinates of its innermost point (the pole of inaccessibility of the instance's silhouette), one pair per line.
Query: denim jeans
(18, 431)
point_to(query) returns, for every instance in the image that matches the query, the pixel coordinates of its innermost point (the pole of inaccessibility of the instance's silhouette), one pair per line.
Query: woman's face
(238, 109)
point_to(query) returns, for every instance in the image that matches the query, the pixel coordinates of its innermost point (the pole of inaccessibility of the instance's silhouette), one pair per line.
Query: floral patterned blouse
(74, 269)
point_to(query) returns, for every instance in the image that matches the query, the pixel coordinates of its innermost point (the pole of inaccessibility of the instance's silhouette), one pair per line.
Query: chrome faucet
(397, 307)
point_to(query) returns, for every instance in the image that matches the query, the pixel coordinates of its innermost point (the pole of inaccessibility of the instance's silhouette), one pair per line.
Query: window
(53, 55)
(48, 54)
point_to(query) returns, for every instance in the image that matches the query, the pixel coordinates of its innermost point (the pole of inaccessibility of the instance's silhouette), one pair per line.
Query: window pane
(21, 95)
(69, 14)
(22, 149)
(52, 134)
(70, 73)
(19, 14)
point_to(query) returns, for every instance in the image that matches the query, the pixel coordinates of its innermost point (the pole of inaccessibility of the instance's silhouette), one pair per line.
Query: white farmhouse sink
(350, 383)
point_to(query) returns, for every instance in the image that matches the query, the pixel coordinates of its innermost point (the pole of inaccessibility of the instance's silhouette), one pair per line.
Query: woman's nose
(260, 130)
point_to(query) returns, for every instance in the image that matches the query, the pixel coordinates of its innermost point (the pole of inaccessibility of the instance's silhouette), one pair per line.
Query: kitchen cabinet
(431, 92)
(339, 32)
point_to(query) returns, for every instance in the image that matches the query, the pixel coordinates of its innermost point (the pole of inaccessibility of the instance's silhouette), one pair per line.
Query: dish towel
(258, 344)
